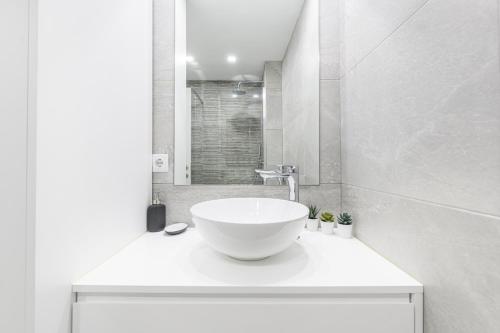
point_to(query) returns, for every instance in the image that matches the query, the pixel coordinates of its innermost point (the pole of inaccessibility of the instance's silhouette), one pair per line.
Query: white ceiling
(254, 30)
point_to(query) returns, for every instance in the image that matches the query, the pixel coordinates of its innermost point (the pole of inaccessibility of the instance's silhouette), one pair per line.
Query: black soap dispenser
(156, 215)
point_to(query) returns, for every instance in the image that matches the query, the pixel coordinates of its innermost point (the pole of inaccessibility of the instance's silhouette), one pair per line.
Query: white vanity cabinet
(162, 284)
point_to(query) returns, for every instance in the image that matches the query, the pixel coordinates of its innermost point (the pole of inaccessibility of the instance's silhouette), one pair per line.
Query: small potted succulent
(344, 228)
(312, 222)
(327, 223)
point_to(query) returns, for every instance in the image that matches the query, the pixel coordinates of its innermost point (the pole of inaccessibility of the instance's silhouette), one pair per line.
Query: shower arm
(247, 82)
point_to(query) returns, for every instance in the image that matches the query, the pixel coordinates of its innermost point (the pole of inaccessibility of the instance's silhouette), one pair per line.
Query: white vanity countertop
(315, 264)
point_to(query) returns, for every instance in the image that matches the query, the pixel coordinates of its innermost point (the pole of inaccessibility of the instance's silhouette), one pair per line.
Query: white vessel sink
(249, 228)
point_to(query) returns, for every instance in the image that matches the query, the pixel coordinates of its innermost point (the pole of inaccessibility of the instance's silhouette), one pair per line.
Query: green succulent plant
(313, 211)
(344, 219)
(327, 217)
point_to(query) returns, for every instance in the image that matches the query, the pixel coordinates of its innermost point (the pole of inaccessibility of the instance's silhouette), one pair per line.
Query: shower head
(238, 91)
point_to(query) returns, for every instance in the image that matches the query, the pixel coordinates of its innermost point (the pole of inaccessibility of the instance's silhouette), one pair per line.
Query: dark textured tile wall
(226, 133)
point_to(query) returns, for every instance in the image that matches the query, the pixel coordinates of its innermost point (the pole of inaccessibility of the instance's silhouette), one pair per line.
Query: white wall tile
(274, 110)
(163, 97)
(329, 129)
(329, 38)
(163, 38)
(421, 112)
(454, 254)
(369, 22)
(301, 96)
(420, 136)
(274, 148)
(272, 74)
(179, 199)
(163, 84)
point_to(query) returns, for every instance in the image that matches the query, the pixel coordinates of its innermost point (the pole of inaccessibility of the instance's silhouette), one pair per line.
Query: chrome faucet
(288, 172)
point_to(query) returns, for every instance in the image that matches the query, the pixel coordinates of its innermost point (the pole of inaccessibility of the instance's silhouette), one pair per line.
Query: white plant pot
(327, 227)
(344, 231)
(312, 224)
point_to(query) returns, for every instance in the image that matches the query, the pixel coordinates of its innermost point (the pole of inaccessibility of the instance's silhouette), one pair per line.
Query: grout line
(245, 186)
(340, 143)
(342, 71)
(385, 39)
(498, 25)
(423, 201)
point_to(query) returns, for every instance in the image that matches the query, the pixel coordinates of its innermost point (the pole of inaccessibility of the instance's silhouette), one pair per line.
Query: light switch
(160, 162)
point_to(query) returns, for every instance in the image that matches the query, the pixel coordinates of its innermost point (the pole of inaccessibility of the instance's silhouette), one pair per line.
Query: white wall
(14, 34)
(93, 142)
(300, 97)
(421, 149)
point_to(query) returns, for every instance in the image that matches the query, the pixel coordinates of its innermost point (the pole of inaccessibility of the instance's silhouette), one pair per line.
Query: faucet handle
(265, 172)
(287, 168)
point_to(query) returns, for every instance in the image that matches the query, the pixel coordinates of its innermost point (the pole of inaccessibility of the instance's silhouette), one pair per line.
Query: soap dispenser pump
(156, 215)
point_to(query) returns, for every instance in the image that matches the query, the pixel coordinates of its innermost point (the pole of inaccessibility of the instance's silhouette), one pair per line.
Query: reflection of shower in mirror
(254, 90)
(239, 91)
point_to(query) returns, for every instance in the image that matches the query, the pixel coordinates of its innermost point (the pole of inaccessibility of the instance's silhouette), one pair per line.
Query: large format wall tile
(421, 115)
(162, 144)
(273, 149)
(163, 39)
(272, 74)
(300, 96)
(329, 39)
(273, 110)
(163, 84)
(272, 116)
(329, 132)
(330, 16)
(454, 253)
(369, 22)
(179, 199)
(420, 136)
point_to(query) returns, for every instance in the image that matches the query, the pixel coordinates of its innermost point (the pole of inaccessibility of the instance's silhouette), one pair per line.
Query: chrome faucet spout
(288, 172)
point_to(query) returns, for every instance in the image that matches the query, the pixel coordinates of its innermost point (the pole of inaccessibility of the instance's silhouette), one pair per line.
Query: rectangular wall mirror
(247, 90)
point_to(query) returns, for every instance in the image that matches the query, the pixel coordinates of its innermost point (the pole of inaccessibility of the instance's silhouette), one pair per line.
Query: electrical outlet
(160, 162)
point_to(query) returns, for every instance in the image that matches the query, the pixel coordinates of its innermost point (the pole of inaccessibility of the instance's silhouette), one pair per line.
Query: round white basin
(249, 228)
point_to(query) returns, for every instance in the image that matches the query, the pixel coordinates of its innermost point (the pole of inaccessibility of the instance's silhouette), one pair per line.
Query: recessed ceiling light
(256, 96)
(231, 59)
(189, 59)
(234, 95)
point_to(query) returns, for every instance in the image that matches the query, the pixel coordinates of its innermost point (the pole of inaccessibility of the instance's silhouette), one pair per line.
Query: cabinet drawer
(242, 317)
